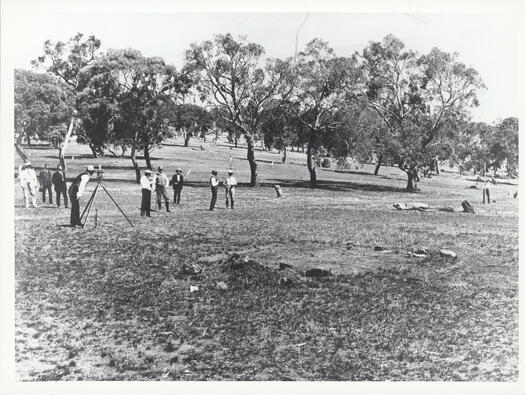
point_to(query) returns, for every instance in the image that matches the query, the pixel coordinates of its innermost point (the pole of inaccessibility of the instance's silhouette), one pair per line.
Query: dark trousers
(176, 194)
(145, 206)
(161, 194)
(49, 193)
(230, 195)
(61, 190)
(75, 206)
(213, 197)
(486, 194)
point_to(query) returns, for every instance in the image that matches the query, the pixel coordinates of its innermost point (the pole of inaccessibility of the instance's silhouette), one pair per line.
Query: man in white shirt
(230, 185)
(145, 183)
(177, 181)
(29, 183)
(160, 186)
(214, 184)
(486, 192)
(75, 192)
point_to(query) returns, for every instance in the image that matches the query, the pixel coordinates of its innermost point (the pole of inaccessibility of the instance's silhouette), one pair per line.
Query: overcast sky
(487, 42)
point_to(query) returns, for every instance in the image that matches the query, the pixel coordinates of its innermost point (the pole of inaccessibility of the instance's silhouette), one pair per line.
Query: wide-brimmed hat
(178, 170)
(214, 172)
(159, 168)
(147, 171)
(90, 168)
(27, 164)
(230, 171)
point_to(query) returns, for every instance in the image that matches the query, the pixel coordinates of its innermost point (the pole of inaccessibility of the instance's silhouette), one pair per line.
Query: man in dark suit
(214, 184)
(177, 181)
(76, 190)
(59, 181)
(45, 184)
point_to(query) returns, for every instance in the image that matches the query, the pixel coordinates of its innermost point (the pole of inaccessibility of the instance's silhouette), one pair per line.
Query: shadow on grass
(100, 158)
(38, 146)
(337, 185)
(275, 162)
(93, 180)
(498, 182)
(366, 173)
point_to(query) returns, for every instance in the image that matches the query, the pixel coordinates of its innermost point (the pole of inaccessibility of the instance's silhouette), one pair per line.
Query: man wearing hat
(230, 185)
(59, 181)
(214, 184)
(176, 181)
(145, 183)
(160, 184)
(44, 178)
(75, 192)
(28, 183)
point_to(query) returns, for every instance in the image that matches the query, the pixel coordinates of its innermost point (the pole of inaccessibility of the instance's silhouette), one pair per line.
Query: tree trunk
(61, 158)
(135, 164)
(251, 159)
(437, 165)
(63, 145)
(310, 161)
(147, 158)
(19, 149)
(236, 141)
(187, 137)
(93, 150)
(28, 139)
(112, 152)
(284, 155)
(412, 177)
(378, 165)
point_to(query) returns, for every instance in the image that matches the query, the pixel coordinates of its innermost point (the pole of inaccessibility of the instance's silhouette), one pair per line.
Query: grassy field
(114, 302)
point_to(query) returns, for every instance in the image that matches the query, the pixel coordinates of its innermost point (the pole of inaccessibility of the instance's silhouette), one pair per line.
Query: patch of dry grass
(112, 302)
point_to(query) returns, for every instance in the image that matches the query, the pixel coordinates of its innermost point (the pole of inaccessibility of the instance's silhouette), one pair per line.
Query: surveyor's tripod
(91, 200)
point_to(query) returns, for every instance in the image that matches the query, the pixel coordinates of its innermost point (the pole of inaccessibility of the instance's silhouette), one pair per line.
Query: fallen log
(466, 207)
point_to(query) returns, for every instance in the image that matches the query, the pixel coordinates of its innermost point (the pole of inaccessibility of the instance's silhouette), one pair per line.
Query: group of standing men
(229, 184)
(46, 179)
(160, 183)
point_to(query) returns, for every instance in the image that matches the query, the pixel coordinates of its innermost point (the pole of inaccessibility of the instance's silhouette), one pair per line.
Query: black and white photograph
(262, 195)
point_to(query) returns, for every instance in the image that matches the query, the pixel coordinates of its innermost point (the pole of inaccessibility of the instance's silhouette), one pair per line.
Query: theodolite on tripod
(91, 200)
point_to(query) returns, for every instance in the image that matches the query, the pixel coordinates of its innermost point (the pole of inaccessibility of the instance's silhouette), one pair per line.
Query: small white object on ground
(448, 254)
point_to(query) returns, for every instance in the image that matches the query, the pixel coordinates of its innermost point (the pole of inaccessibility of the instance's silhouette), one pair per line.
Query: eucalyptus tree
(66, 61)
(322, 86)
(42, 106)
(413, 94)
(142, 90)
(233, 76)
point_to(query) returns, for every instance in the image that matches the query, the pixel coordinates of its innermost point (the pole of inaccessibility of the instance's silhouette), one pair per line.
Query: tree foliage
(142, 90)
(322, 85)
(42, 106)
(67, 61)
(387, 105)
(234, 76)
(414, 94)
(192, 119)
